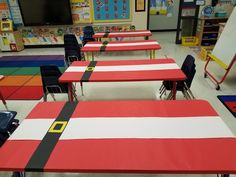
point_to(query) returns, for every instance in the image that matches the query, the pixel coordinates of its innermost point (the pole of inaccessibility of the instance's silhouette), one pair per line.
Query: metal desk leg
(3, 100)
(150, 54)
(82, 90)
(87, 56)
(92, 54)
(70, 91)
(154, 54)
(174, 90)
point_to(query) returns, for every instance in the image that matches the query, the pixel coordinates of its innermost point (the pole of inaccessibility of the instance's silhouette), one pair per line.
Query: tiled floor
(201, 87)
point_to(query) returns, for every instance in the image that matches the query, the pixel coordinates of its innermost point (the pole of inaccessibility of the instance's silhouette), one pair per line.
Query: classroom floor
(202, 89)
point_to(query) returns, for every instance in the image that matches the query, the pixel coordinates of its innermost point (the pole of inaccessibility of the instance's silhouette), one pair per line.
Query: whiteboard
(225, 48)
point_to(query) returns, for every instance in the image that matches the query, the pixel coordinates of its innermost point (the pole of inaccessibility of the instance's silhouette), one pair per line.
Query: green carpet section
(7, 71)
(27, 71)
(16, 71)
(62, 69)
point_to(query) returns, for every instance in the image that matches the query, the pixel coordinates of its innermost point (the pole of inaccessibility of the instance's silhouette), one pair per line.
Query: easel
(224, 52)
(225, 67)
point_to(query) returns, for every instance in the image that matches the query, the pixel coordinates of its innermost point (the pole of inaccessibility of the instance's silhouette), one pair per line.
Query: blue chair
(72, 49)
(8, 124)
(50, 75)
(189, 69)
(88, 34)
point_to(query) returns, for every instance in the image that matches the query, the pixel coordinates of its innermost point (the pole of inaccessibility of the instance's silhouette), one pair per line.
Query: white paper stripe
(103, 128)
(32, 129)
(123, 44)
(117, 33)
(146, 67)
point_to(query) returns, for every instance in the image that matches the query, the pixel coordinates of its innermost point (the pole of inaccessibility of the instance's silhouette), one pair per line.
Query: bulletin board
(112, 10)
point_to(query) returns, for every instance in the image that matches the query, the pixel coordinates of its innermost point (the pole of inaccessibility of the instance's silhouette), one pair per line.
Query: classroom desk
(1, 96)
(135, 33)
(120, 46)
(122, 71)
(182, 136)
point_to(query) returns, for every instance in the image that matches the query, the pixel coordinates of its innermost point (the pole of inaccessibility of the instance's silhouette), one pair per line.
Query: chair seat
(169, 85)
(6, 120)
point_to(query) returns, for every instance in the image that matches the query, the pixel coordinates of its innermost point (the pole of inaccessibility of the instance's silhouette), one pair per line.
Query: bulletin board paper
(80, 10)
(111, 10)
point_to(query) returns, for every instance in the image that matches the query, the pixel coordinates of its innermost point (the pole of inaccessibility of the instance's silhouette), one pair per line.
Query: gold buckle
(89, 68)
(62, 125)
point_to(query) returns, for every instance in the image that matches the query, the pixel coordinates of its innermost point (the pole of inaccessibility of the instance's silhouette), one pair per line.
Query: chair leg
(186, 95)
(189, 91)
(6, 106)
(163, 92)
(162, 85)
(53, 97)
(82, 90)
(45, 97)
(170, 96)
(191, 94)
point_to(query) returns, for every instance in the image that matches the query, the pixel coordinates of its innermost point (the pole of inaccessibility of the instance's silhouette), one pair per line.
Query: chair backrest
(72, 49)
(6, 119)
(88, 32)
(189, 69)
(50, 70)
(50, 75)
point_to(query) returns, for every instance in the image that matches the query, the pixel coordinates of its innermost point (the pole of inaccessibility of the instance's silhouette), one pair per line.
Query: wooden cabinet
(222, 25)
(208, 29)
(11, 41)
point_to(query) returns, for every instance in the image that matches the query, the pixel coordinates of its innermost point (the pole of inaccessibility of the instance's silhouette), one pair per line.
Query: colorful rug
(27, 93)
(22, 79)
(229, 102)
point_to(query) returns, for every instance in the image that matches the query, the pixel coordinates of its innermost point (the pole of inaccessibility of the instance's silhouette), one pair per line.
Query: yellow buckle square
(56, 123)
(90, 68)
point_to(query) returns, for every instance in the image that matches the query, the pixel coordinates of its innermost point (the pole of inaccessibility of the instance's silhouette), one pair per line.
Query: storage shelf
(211, 39)
(209, 32)
(211, 26)
(208, 27)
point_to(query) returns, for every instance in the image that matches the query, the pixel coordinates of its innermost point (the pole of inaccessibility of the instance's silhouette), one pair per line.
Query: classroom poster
(112, 10)
(4, 11)
(80, 10)
(15, 12)
(162, 7)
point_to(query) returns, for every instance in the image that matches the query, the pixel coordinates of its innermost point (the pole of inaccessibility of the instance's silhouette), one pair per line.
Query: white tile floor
(201, 87)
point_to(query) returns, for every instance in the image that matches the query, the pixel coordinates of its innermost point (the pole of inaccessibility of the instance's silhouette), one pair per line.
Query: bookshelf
(208, 29)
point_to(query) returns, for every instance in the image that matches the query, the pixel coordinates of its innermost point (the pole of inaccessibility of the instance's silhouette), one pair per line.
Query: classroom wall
(228, 7)
(140, 18)
(54, 35)
(163, 22)
(207, 2)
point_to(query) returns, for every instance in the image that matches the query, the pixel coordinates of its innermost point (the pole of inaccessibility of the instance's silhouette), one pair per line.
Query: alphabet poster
(111, 10)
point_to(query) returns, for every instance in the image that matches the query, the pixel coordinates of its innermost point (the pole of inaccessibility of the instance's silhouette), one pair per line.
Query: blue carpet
(229, 102)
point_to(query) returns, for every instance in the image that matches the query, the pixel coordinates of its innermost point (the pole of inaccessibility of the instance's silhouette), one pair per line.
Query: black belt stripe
(106, 34)
(88, 72)
(103, 47)
(41, 155)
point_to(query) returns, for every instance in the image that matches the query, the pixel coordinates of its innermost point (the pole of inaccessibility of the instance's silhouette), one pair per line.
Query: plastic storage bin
(204, 52)
(189, 41)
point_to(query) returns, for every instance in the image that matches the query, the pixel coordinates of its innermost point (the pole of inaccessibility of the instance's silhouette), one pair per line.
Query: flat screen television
(45, 12)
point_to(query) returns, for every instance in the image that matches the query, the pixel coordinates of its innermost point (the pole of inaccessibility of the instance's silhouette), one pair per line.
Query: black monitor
(45, 12)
